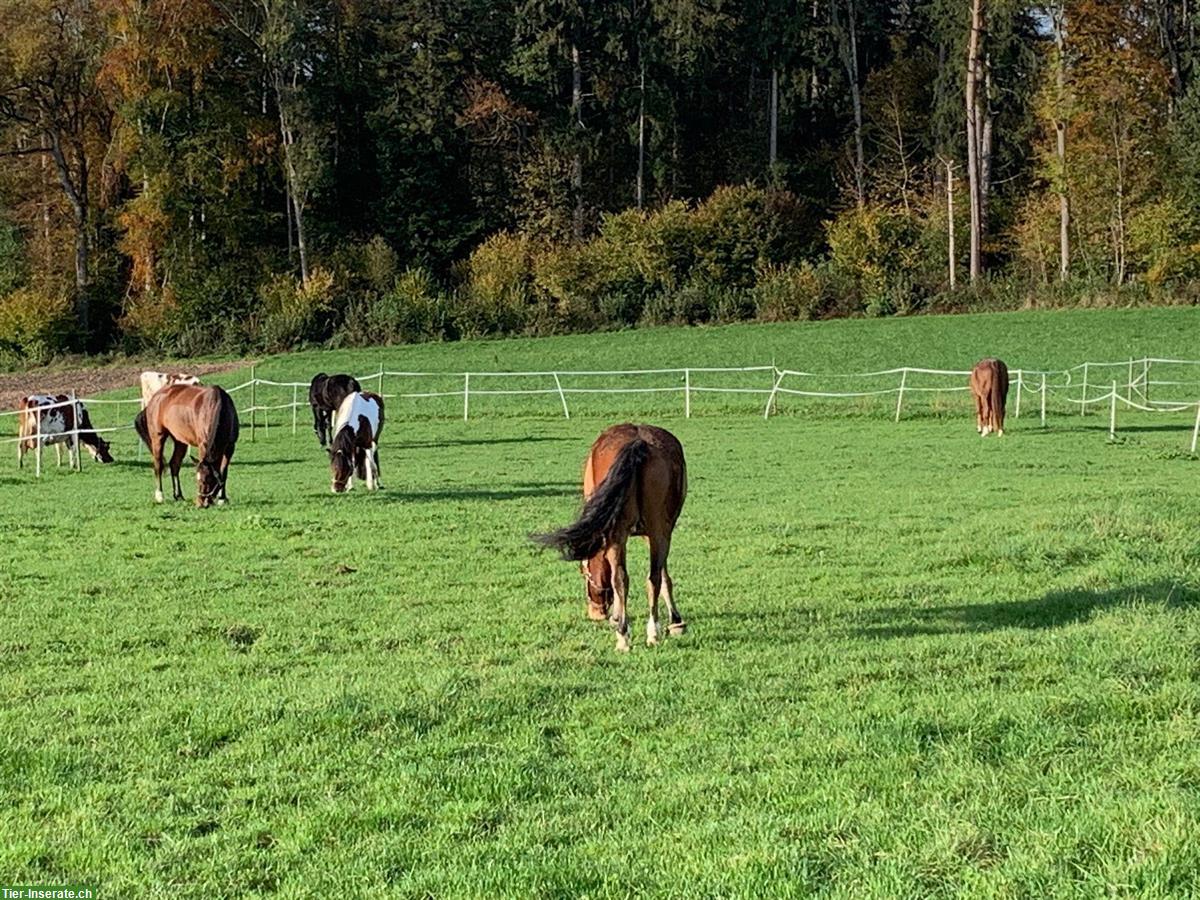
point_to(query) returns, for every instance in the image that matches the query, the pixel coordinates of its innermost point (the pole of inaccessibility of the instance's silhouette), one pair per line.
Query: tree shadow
(471, 442)
(511, 492)
(1053, 610)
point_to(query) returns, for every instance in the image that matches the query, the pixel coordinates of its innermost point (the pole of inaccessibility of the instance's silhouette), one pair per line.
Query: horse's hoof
(220, 502)
(677, 628)
(622, 643)
(596, 614)
(1000, 433)
(158, 496)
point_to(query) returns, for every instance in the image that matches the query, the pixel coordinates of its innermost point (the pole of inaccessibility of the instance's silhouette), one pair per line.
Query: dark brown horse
(634, 483)
(989, 386)
(325, 396)
(203, 417)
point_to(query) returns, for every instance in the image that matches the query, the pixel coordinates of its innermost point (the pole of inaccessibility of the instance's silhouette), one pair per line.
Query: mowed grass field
(919, 663)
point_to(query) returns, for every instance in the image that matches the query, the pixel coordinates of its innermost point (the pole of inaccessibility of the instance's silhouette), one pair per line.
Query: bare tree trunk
(848, 42)
(985, 147)
(577, 159)
(641, 170)
(972, 103)
(1060, 128)
(951, 253)
(293, 188)
(75, 186)
(774, 104)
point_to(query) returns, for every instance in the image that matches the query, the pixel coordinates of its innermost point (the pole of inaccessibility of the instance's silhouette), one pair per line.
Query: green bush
(877, 250)
(742, 229)
(412, 311)
(788, 293)
(35, 324)
(294, 312)
(497, 295)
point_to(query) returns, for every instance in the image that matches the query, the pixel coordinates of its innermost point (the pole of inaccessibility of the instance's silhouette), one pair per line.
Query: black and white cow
(56, 420)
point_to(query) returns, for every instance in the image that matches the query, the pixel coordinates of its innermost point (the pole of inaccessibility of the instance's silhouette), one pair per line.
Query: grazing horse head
(341, 463)
(598, 577)
(208, 483)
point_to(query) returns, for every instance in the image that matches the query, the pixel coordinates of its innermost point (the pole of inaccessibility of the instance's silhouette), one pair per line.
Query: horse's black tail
(142, 429)
(594, 528)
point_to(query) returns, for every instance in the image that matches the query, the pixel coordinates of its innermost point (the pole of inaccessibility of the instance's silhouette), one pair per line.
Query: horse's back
(357, 405)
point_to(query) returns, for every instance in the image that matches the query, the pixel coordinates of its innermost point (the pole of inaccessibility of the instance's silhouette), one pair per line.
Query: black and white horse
(54, 419)
(354, 447)
(325, 395)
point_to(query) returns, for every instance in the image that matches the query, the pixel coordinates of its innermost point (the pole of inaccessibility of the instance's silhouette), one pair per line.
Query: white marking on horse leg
(651, 632)
(158, 496)
(1000, 433)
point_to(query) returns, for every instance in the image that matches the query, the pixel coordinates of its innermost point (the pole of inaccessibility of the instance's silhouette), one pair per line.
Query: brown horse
(989, 385)
(634, 483)
(203, 417)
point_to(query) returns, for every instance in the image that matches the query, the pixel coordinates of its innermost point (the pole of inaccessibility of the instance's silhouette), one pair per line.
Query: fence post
(1146, 381)
(1020, 387)
(37, 437)
(1083, 402)
(771, 399)
(1043, 401)
(1196, 430)
(1129, 389)
(1112, 415)
(380, 379)
(562, 396)
(295, 406)
(253, 394)
(466, 394)
(75, 463)
(900, 395)
(687, 393)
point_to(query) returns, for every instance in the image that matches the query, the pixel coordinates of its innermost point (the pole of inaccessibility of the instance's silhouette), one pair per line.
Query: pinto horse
(325, 396)
(54, 419)
(989, 385)
(634, 483)
(200, 416)
(354, 449)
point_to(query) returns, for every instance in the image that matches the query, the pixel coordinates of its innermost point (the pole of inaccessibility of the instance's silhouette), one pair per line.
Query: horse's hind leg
(675, 623)
(375, 465)
(658, 559)
(224, 473)
(620, 587)
(156, 461)
(176, 461)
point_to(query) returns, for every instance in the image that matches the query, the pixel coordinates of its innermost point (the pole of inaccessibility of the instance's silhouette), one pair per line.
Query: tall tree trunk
(641, 169)
(75, 186)
(294, 189)
(973, 127)
(1060, 128)
(988, 118)
(774, 104)
(577, 159)
(849, 51)
(951, 252)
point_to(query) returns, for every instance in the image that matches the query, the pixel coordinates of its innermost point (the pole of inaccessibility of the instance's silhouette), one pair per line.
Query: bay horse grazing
(325, 396)
(199, 416)
(354, 448)
(989, 385)
(634, 483)
(54, 419)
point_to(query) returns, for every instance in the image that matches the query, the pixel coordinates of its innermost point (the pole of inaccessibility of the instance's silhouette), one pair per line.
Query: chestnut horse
(989, 385)
(634, 483)
(203, 417)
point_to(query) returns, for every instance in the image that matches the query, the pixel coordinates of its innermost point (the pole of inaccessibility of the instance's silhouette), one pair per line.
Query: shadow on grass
(1052, 610)
(509, 492)
(189, 463)
(467, 442)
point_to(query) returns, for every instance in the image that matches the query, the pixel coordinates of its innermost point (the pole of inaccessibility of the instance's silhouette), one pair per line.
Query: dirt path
(89, 382)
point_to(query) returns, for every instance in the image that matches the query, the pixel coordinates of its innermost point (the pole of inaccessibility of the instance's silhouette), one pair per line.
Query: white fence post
(1196, 430)
(1112, 415)
(1129, 388)
(253, 394)
(687, 393)
(466, 394)
(74, 461)
(295, 406)
(37, 414)
(1020, 387)
(562, 396)
(1083, 401)
(1043, 401)
(900, 396)
(771, 399)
